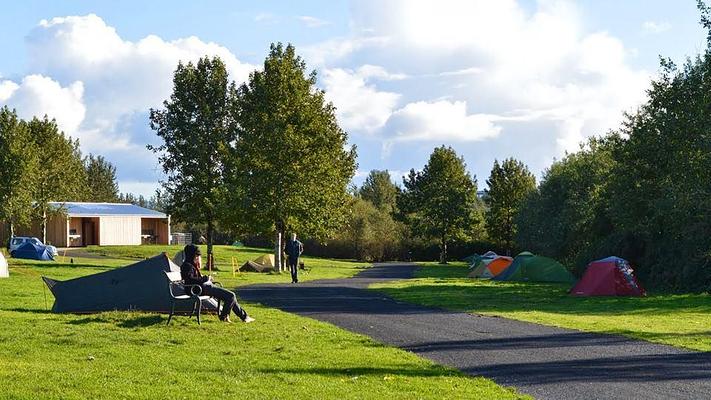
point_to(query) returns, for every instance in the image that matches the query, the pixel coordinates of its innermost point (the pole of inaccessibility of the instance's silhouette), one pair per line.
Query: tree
(18, 163)
(509, 184)
(379, 189)
(291, 165)
(101, 180)
(566, 217)
(196, 126)
(61, 175)
(441, 200)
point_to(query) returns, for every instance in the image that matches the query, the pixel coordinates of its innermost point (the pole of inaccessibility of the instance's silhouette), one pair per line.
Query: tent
(251, 266)
(263, 263)
(478, 259)
(611, 276)
(4, 271)
(515, 264)
(489, 268)
(32, 251)
(470, 259)
(141, 286)
(532, 268)
(267, 260)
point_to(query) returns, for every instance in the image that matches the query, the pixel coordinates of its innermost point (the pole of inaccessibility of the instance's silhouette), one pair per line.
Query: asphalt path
(545, 362)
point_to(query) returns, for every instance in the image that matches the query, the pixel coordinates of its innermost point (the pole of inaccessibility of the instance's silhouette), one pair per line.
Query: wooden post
(64, 256)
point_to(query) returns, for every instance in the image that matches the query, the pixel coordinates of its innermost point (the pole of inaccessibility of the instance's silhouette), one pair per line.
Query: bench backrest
(174, 276)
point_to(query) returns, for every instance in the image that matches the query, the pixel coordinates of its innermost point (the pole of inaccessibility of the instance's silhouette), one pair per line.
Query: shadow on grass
(28, 310)
(133, 322)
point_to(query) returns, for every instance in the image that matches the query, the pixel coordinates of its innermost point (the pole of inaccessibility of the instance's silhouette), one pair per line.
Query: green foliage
(18, 163)
(101, 180)
(379, 189)
(371, 232)
(440, 201)
(567, 218)
(61, 175)
(291, 168)
(509, 184)
(661, 185)
(197, 127)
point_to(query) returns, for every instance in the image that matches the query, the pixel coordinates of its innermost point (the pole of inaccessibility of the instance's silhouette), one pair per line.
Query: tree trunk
(44, 226)
(210, 230)
(443, 254)
(277, 250)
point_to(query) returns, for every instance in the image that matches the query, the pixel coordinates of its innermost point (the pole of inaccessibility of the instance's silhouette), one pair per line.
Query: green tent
(532, 268)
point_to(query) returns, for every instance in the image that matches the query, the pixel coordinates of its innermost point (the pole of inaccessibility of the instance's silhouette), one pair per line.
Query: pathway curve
(546, 362)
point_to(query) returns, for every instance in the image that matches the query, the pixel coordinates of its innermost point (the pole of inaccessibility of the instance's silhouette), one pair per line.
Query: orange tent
(491, 268)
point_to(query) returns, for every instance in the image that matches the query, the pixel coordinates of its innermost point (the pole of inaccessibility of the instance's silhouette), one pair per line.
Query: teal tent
(532, 268)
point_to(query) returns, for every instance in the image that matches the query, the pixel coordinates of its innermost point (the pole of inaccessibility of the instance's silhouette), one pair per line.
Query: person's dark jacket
(293, 249)
(191, 275)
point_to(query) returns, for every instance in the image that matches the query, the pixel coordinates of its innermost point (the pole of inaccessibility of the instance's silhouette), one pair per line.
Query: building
(104, 224)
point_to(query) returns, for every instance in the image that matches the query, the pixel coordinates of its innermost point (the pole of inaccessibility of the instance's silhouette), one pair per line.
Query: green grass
(317, 268)
(134, 355)
(678, 320)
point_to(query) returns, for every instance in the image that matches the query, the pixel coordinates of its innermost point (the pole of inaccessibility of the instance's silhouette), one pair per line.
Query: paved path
(546, 362)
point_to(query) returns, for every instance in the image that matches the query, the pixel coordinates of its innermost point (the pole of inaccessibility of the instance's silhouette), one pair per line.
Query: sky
(492, 79)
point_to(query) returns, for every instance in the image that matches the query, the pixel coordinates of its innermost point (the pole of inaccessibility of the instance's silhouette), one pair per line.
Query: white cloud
(441, 120)
(359, 106)
(38, 95)
(542, 61)
(656, 27)
(312, 22)
(332, 50)
(100, 86)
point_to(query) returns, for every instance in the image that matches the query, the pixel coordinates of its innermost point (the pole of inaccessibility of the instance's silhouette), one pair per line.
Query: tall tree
(61, 175)
(18, 163)
(567, 217)
(441, 199)
(509, 184)
(101, 180)
(379, 189)
(196, 126)
(291, 165)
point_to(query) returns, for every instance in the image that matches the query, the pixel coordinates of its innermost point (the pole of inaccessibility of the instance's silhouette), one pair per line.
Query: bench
(180, 292)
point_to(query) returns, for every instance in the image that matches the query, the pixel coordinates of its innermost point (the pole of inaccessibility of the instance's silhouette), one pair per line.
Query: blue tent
(31, 251)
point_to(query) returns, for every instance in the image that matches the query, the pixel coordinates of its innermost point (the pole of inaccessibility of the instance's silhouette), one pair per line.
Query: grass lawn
(677, 320)
(134, 355)
(318, 268)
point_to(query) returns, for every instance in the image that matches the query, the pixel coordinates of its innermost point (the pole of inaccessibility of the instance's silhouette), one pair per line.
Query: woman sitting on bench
(190, 272)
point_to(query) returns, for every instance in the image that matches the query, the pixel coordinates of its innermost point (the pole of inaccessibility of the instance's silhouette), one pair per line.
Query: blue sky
(525, 79)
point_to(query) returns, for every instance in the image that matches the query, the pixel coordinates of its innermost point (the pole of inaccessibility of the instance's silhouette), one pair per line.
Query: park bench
(180, 292)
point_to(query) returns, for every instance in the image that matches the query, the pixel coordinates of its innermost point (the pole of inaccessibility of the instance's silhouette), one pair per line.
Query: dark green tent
(531, 268)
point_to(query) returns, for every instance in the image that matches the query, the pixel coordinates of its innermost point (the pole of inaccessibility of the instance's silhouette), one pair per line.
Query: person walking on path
(293, 250)
(190, 272)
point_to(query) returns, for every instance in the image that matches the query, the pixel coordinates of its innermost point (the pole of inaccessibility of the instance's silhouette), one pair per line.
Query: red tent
(611, 276)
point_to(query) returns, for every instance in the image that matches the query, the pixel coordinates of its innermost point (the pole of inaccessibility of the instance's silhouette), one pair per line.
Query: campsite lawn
(134, 355)
(678, 320)
(317, 268)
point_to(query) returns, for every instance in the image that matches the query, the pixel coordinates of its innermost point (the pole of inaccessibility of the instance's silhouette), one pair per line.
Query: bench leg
(172, 310)
(199, 309)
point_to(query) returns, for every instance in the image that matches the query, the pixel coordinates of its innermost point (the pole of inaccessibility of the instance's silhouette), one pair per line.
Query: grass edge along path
(134, 355)
(680, 320)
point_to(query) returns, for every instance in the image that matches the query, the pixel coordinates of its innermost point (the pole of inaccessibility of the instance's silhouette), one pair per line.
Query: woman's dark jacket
(191, 275)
